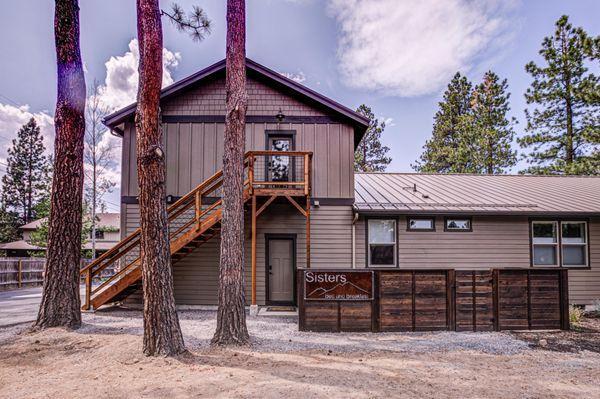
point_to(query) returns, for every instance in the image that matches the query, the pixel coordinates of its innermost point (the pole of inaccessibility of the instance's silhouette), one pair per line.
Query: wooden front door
(280, 269)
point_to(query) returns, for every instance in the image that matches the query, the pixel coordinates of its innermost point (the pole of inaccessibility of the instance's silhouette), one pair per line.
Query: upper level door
(280, 167)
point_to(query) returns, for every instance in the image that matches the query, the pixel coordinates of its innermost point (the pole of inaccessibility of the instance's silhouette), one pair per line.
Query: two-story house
(306, 207)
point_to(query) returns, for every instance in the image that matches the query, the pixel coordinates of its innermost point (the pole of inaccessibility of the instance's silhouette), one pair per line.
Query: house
(306, 207)
(107, 235)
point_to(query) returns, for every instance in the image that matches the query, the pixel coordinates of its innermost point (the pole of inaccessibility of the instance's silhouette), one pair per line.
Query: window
(561, 243)
(421, 224)
(458, 224)
(545, 243)
(382, 242)
(280, 167)
(573, 240)
(99, 234)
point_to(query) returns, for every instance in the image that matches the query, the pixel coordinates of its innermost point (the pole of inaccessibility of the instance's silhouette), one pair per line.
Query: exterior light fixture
(280, 116)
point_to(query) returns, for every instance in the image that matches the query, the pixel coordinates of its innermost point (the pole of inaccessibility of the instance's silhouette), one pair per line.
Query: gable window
(573, 240)
(382, 242)
(420, 224)
(545, 243)
(457, 224)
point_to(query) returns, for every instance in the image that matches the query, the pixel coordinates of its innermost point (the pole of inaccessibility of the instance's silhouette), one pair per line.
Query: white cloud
(413, 47)
(296, 77)
(12, 118)
(121, 83)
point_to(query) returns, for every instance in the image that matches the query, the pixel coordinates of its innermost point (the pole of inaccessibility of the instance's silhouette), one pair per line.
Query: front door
(280, 269)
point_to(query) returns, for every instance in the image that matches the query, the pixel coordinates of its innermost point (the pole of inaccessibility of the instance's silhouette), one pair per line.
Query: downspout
(354, 219)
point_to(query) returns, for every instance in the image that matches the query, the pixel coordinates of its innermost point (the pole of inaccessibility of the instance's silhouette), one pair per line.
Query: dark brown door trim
(292, 238)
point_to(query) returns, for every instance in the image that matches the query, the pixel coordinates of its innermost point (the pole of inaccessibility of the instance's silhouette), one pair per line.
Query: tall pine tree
(26, 180)
(448, 151)
(563, 125)
(493, 132)
(370, 153)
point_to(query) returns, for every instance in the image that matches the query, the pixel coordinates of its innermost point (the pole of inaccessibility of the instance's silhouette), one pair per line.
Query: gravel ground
(103, 360)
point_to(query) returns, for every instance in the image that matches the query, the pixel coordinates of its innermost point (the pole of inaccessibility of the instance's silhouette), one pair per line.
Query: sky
(397, 56)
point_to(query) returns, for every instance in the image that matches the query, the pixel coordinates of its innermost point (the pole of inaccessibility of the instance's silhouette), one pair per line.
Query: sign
(338, 286)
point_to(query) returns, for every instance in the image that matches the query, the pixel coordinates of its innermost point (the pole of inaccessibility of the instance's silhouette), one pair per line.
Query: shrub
(575, 314)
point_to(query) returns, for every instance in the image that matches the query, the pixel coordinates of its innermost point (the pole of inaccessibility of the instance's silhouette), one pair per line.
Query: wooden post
(253, 248)
(251, 174)
(88, 288)
(306, 174)
(308, 232)
(20, 274)
(198, 208)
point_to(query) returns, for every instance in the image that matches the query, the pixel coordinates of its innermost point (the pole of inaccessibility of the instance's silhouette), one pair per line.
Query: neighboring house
(301, 148)
(107, 235)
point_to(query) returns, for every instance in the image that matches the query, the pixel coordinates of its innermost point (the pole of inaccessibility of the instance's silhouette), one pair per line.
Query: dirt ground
(103, 360)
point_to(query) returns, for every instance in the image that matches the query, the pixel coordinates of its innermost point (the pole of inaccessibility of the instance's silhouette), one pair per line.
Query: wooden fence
(28, 272)
(445, 299)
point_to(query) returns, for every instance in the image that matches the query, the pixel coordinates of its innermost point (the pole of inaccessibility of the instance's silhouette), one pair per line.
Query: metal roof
(476, 194)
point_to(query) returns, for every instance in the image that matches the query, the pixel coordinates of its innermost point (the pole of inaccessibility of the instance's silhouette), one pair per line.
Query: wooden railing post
(251, 174)
(306, 174)
(20, 274)
(88, 288)
(198, 208)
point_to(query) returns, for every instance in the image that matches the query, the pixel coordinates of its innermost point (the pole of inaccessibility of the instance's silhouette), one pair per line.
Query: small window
(382, 242)
(545, 243)
(574, 243)
(458, 224)
(421, 224)
(99, 234)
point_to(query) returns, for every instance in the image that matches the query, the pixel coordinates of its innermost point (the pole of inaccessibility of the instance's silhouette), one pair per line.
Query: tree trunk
(162, 334)
(60, 304)
(231, 315)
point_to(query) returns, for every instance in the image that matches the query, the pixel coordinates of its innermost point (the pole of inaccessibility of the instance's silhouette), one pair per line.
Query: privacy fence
(429, 300)
(28, 272)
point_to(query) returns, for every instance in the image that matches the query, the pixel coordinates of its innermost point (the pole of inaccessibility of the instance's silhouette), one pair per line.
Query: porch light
(280, 116)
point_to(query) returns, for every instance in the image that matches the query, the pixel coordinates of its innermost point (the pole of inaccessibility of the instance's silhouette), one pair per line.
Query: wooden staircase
(193, 220)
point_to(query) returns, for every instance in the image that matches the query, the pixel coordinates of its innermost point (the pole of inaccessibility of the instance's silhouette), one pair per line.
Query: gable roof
(477, 194)
(268, 76)
(109, 219)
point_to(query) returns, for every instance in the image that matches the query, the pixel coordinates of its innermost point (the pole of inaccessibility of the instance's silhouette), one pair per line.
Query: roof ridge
(472, 174)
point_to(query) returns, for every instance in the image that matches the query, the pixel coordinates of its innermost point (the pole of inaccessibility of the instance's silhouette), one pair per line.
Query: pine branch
(196, 24)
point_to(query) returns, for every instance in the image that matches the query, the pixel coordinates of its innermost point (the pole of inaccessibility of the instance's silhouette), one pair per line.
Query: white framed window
(381, 238)
(544, 240)
(458, 224)
(420, 224)
(574, 243)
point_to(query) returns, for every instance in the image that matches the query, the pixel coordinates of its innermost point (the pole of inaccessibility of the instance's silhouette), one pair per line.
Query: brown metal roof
(476, 194)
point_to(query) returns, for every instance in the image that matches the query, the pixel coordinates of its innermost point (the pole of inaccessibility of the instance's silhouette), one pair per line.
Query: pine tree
(9, 225)
(448, 149)
(563, 126)
(370, 153)
(26, 180)
(493, 129)
(231, 314)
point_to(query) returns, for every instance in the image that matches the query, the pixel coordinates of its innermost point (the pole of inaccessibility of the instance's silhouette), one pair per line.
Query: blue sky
(394, 55)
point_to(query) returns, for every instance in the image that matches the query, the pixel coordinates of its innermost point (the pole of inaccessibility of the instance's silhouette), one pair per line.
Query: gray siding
(494, 242)
(195, 150)
(196, 276)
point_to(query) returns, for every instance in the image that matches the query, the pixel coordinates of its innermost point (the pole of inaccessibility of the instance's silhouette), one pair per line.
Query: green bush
(575, 314)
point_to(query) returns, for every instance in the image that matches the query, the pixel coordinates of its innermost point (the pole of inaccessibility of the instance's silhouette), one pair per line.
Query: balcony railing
(280, 172)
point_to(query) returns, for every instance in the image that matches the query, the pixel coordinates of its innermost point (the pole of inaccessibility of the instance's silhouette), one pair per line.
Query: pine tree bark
(162, 333)
(231, 315)
(60, 304)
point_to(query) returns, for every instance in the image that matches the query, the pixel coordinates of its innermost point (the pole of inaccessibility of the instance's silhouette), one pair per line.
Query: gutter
(354, 219)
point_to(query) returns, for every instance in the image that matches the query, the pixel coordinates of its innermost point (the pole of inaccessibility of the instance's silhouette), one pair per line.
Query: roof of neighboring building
(476, 194)
(21, 244)
(277, 80)
(112, 220)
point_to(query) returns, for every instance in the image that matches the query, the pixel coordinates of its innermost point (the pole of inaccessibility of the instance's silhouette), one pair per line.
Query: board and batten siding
(196, 276)
(194, 151)
(495, 242)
